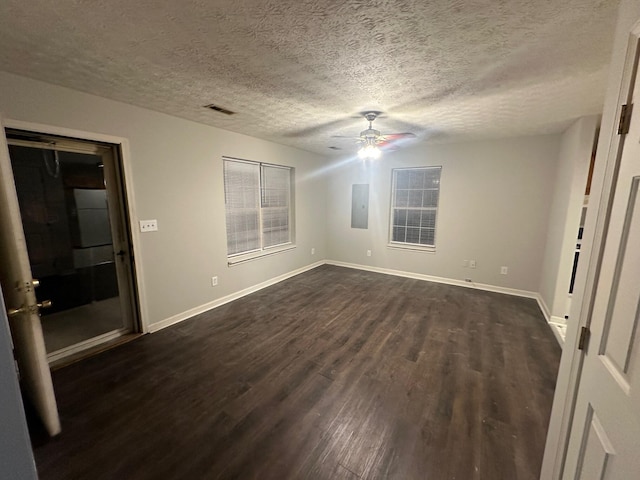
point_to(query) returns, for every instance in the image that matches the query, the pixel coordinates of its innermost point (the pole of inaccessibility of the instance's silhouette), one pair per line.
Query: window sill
(235, 260)
(411, 247)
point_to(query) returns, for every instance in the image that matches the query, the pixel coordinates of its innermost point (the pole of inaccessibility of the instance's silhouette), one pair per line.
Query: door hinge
(584, 338)
(625, 118)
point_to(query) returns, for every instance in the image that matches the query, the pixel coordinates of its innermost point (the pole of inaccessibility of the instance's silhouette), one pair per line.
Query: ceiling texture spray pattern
(298, 72)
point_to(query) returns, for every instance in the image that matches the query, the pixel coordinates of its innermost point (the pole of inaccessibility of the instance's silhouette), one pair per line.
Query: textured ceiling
(297, 71)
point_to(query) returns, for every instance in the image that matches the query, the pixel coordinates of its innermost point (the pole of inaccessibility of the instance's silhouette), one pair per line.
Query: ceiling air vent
(217, 108)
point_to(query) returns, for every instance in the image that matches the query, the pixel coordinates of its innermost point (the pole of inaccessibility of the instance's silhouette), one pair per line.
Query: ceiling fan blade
(392, 140)
(397, 136)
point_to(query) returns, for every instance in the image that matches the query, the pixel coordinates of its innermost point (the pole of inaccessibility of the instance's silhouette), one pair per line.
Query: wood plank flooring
(333, 374)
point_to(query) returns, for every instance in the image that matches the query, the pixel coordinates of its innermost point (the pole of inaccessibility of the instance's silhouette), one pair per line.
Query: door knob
(12, 312)
(35, 282)
(45, 304)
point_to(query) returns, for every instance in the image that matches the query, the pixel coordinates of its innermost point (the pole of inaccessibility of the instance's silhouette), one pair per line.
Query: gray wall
(564, 218)
(16, 458)
(494, 206)
(176, 176)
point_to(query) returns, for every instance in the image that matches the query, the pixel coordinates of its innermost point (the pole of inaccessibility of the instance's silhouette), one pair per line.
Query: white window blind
(276, 192)
(257, 205)
(414, 205)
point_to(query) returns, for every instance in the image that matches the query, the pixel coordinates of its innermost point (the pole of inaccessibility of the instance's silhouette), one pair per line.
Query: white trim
(61, 131)
(543, 306)
(430, 278)
(125, 153)
(557, 320)
(180, 317)
(412, 247)
(247, 257)
(559, 331)
(84, 345)
(556, 324)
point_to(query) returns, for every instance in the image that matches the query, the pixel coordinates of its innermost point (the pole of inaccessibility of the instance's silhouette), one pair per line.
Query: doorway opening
(74, 214)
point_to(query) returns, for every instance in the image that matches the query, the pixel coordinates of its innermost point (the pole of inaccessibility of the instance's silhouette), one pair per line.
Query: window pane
(430, 198)
(402, 179)
(432, 178)
(413, 218)
(399, 217)
(428, 219)
(275, 226)
(399, 234)
(417, 190)
(427, 236)
(276, 184)
(416, 179)
(415, 198)
(413, 235)
(242, 181)
(402, 198)
(257, 201)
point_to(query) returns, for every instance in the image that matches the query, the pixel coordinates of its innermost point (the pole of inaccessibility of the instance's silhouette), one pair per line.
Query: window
(414, 206)
(257, 205)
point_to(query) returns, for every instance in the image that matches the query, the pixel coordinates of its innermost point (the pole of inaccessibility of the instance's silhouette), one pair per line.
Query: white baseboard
(180, 317)
(560, 332)
(543, 306)
(557, 324)
(557, 320)
(430, 278)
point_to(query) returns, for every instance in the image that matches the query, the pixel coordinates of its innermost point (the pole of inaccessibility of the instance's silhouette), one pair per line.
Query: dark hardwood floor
(333, 374)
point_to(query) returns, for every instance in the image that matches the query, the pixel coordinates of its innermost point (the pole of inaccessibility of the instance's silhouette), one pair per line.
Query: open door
(605, 433)
(20, 299)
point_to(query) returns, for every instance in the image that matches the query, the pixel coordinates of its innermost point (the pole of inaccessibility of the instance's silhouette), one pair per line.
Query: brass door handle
(45, 304)
(12, 312)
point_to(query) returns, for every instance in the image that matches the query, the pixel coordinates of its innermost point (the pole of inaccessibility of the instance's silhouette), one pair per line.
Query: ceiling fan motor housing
(370, 133)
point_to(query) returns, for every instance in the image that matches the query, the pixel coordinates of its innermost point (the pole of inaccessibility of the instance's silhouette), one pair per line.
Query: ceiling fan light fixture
(369, 152)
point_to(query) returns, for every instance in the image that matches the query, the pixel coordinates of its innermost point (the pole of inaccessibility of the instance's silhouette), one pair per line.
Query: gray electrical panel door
(360, 206)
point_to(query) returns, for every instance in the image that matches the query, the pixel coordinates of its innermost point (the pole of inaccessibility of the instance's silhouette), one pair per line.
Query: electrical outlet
(368, 253)
(504, 270)
(214, 281)
(465, 263)
(313, 251)
(148, 225)
(472, 264)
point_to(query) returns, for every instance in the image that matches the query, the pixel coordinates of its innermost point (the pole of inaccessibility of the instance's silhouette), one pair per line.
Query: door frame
(122, 146)
(609, 152)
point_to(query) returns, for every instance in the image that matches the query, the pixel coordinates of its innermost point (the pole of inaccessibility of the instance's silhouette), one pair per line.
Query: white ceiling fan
(373, 142)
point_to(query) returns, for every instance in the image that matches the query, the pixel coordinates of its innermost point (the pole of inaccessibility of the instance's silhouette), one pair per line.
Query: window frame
(431, 248)
(262, 251)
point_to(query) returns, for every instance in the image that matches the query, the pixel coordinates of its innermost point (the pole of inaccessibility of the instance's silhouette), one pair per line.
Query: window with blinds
(414, 206)
(257, 206)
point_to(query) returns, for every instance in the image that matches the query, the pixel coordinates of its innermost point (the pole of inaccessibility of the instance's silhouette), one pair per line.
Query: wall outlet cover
(148, 225)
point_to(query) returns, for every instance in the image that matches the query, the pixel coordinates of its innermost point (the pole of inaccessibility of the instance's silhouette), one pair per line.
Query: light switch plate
(148, 226)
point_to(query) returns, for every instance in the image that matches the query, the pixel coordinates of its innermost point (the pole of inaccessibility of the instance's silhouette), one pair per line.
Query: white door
(605, 434)
(20, 299)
